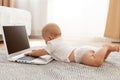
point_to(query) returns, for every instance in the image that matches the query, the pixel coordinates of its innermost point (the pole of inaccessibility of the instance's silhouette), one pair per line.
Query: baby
(55, 47)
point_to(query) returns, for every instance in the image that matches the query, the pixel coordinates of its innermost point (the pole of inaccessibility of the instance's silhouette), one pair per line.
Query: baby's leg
(112, 48)
(95, 59)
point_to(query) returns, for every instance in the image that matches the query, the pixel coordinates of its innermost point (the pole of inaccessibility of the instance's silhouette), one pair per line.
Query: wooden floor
(72, 41)
(1, 45)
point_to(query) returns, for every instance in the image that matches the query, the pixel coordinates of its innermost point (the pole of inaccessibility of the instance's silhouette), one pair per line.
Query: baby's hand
(37, 53)
(34, 53)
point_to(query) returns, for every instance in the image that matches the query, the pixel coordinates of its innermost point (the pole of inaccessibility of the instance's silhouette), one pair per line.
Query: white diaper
(79, 52)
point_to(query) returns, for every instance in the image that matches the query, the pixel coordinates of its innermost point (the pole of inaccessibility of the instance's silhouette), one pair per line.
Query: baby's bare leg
(112, 48)
(95, 59)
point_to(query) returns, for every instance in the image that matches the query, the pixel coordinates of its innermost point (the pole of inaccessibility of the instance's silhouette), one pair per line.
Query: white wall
(38, 9)
(80, 18)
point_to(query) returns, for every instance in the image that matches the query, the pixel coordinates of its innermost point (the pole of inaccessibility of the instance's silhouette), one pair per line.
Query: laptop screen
(16, 38)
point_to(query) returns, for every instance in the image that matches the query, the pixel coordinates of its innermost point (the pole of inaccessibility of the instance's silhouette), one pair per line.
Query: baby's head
(51, 31)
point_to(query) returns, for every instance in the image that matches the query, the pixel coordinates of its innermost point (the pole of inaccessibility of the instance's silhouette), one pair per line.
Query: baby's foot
(112, 47)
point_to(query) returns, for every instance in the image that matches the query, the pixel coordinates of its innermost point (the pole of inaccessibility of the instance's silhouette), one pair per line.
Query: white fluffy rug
(110, 70)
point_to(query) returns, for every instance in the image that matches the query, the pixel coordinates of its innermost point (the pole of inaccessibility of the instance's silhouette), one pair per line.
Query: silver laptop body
(17, 44)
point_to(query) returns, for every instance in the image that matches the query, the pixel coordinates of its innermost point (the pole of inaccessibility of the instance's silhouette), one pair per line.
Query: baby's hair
(52, 28)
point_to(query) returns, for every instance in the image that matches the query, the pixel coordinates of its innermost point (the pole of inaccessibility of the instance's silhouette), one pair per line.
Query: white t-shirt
(58, 49)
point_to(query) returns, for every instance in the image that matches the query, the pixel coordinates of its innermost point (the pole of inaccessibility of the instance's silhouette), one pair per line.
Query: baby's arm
(37, 53)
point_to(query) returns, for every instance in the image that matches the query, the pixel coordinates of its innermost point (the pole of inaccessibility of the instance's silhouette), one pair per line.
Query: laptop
(17, 44)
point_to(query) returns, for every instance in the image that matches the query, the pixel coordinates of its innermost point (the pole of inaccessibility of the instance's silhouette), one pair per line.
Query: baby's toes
(117, 48)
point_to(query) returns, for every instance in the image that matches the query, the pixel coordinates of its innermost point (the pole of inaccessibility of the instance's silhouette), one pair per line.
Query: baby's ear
(51, 36)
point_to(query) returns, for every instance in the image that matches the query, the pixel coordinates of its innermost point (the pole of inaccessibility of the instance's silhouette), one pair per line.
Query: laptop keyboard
(27, 58)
